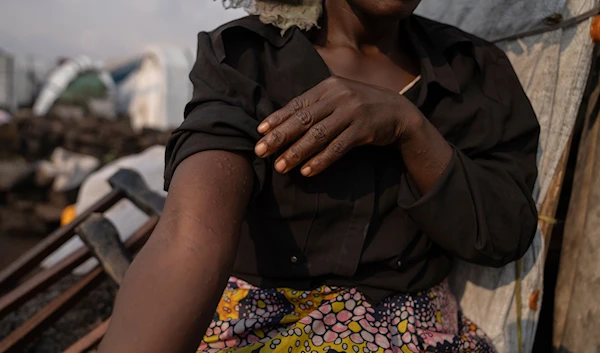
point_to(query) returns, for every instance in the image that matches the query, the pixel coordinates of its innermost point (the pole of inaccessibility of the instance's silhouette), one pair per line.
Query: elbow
(509, 242)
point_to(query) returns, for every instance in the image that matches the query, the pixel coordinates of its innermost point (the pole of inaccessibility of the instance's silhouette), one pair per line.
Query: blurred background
(107, 61)
(82, 85)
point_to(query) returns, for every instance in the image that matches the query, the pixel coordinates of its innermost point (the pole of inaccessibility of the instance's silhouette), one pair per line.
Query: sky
(104, 29)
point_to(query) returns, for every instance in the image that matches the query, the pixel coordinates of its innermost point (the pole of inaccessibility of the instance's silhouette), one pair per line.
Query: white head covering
(301, 13)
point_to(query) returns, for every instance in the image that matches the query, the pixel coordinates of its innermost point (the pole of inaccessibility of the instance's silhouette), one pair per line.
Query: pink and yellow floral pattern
(330, 319)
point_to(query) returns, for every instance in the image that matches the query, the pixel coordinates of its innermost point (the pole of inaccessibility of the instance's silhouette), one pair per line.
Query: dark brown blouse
(362, 222)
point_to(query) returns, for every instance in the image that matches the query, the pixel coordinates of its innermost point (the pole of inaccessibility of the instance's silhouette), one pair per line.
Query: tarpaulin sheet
(553, 68)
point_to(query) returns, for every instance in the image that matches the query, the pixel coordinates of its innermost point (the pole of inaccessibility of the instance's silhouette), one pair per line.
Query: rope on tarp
(519, 303)
(552, 23)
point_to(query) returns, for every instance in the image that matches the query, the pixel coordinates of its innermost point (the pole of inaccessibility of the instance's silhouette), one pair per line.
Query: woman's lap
(249, 319)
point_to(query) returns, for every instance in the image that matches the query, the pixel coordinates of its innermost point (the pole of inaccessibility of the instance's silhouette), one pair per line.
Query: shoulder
(242, 35)
(452, 40)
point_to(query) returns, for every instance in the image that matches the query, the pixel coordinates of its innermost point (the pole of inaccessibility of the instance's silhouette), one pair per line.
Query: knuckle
(338, 148)
(276, 138)
(296, 104)
(319, 133)
(317, 163)
(304, 117)
(293, 155)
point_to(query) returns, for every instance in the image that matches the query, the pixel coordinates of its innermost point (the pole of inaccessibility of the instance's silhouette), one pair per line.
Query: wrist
(414, 125)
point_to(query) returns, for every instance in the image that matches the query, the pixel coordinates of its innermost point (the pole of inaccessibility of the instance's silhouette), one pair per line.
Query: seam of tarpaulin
(552, 23)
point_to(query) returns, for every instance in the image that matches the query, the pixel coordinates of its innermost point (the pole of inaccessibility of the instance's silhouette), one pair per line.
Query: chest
(376, 69)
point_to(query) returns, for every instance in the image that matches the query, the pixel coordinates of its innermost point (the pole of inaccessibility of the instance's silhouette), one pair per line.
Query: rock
(68, 112)
(9, 140)
(23, 205)
(26, 193)
(102, 108)
(72, 169)
(45, 173)
(13, 174)
(19, 223)
(92, 308)
(62, 199)
(48, 213)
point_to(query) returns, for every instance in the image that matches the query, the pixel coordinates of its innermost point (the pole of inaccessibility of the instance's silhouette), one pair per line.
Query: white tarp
(124, 215)
(160, 88)
(553, 68)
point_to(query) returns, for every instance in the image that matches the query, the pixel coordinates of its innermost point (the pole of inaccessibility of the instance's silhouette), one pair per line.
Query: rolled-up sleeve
(481, 209)
(216, 118)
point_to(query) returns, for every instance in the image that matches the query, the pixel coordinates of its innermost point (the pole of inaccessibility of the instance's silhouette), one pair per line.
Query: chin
(397, 9)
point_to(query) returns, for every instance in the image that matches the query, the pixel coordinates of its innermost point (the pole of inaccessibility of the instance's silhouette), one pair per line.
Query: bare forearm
(425, 152)
(172, 288)
(166, 303)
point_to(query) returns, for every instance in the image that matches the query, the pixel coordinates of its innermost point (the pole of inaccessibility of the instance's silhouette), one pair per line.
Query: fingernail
(260, 149)
(306, 170)
(280, 166)
(263, 127)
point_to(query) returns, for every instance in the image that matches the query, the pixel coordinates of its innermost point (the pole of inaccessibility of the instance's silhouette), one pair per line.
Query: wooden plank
(42, 280)
(30, 260)
(50, 312)
(71, 296)
(90, 340)
(575, 312)
(581, 224)
(547, 212)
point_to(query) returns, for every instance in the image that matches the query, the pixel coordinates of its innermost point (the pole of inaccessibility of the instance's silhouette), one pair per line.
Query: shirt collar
(431, 42)
(253, 24)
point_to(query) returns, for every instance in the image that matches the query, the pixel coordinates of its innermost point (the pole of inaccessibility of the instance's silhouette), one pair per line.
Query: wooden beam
(50, 312)
(90, 340)
(71, 296)
(31, 259)
(547, 212)
(41, 280)
(575, 310)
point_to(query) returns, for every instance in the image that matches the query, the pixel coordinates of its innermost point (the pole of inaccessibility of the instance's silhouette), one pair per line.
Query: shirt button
(399, 263)
(293, 259)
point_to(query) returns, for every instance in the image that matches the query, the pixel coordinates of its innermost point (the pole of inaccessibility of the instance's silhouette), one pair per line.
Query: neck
(344, 25)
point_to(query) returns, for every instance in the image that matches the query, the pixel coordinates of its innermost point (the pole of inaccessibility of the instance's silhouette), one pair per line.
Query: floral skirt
(333, 319)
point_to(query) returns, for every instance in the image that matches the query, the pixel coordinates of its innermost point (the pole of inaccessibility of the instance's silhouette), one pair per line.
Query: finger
(302, 101)
(343, 143)
(293, 128)
(314, 141)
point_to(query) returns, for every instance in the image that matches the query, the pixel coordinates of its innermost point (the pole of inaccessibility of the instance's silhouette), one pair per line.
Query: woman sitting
(324, 179)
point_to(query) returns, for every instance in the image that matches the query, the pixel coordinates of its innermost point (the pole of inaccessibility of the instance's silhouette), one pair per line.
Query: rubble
(71, 169)
(93, 308)
(14, 174)
(44, 160)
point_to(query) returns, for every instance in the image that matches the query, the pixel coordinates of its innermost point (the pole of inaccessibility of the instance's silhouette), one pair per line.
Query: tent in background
(75, 82)
(154, 88)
